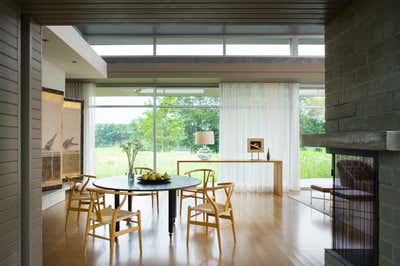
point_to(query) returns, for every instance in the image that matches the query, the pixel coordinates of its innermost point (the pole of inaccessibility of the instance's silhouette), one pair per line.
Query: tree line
(175, 127)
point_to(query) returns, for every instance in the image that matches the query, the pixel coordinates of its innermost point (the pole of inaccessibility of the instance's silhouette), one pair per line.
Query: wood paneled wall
(20, 162)
(31, 162)
(10, 195)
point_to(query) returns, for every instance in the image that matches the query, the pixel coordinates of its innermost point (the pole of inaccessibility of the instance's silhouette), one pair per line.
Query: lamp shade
(204, 137)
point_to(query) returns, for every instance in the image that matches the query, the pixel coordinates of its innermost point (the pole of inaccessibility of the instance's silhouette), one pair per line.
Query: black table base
(171, 209)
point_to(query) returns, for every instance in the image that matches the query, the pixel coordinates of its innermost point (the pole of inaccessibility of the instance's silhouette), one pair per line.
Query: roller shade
(257, 40)
(175, 41)
(315, 41)
(118, 40)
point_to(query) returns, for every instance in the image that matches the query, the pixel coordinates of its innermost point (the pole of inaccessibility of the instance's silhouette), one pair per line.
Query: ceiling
(73, 63)
(72, 12)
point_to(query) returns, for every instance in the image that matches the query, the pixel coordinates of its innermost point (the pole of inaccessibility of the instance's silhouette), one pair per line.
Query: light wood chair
(207, 176)
(108, 216)
(78, 196)
(214, 209)
(155, 194)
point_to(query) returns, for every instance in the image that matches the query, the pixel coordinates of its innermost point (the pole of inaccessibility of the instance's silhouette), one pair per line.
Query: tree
(175, 127)
(115, 134)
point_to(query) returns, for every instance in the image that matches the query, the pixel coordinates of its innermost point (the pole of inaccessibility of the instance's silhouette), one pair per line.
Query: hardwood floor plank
(270, 231)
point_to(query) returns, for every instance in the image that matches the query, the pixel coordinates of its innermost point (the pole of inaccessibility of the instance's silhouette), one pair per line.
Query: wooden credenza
(278, 187)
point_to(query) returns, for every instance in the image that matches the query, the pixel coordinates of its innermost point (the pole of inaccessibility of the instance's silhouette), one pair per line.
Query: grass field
(111, 161)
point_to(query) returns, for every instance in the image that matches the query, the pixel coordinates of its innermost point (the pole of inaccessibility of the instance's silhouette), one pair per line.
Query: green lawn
(111, 161)
(315, 163)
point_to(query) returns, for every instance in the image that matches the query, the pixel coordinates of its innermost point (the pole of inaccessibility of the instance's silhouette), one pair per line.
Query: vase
(131, 175)
(268, 155)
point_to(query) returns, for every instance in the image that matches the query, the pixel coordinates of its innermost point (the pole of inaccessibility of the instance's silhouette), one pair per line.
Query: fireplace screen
(355, 206)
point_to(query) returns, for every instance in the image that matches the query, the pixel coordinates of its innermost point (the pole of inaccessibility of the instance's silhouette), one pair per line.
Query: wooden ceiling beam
(186, 11)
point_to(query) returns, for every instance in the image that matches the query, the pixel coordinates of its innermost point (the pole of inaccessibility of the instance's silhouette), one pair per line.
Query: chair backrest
(207, 175)
(228, 189)
(142, 170)
(79, 183)
(95, 206)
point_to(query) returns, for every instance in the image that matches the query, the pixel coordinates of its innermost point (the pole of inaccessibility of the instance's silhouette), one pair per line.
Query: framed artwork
(72, 137)
(52, 109)
(255, 145)
(62, 138)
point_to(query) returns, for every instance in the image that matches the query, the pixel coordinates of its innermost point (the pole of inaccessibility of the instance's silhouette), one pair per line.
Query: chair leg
(152, 200)
(104, 201)
(158, 203)
(233, 227)
(180, 205)
(112, 242)
(140, 232)
(188, 226)
(68, 210)
(218, 234)
(206, 224)
(93, 229)
(79, 212)
(195, 198)
(86, 235)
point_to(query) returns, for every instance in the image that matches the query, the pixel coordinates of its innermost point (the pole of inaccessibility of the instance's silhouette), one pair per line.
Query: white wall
(53, 77)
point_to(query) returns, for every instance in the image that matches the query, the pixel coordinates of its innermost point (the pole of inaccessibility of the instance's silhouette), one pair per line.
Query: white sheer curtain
(259, 110)
(89, 93)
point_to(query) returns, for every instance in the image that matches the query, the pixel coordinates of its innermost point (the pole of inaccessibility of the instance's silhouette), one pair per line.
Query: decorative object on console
(268, 155)
(131, 148)
(204, 138)
(255, 145)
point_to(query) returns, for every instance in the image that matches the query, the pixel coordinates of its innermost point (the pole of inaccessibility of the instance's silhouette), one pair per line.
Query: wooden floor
(270, 230)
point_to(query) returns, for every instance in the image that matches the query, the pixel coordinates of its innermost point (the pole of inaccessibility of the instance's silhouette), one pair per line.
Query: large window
(258, 46)
(164, 119)
(314, 162)
(189, 46)
(311, 47)
(219, 45)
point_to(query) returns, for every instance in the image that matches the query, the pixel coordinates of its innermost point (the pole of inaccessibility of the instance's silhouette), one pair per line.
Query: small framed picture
(255, 145)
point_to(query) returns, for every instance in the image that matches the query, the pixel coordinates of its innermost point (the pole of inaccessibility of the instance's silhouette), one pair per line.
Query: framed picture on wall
(255, 145)
(52, 109)
(72, 137)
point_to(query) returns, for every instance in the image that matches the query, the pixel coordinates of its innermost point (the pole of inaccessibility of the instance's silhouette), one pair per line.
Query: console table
(277, 169)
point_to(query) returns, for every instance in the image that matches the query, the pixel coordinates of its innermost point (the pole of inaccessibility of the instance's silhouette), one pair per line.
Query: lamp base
(204, 153)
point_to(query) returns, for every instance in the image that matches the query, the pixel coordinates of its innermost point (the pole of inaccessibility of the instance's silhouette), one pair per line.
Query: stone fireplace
(366, 189)
(362, 89)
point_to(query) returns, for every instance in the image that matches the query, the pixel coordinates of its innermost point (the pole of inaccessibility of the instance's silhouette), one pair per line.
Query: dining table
(123, 183)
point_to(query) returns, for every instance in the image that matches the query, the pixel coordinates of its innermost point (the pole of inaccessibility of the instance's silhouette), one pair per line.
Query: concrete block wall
(362, 76)
(362, 67)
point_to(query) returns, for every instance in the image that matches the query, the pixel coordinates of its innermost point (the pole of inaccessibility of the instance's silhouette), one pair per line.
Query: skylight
(123, 50)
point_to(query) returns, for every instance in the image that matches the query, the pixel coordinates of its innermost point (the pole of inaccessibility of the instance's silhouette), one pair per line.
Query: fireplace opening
(355, 206)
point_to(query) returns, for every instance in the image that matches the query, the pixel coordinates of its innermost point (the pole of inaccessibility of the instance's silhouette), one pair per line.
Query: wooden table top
(122, 183)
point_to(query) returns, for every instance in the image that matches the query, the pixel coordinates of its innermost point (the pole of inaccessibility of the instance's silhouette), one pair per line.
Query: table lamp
(204, 138)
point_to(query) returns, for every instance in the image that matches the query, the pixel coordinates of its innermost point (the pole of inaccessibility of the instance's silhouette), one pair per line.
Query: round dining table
(123, 183)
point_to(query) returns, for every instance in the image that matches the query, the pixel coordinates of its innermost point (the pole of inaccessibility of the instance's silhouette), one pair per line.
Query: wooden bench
(323, 190)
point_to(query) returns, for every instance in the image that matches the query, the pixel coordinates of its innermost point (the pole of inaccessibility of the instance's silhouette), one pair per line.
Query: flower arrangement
(131, 148)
